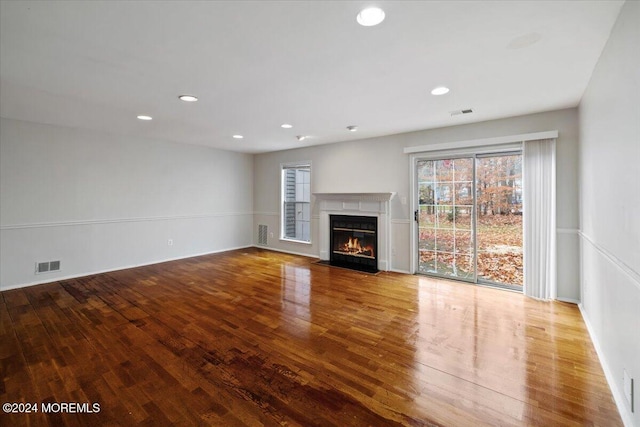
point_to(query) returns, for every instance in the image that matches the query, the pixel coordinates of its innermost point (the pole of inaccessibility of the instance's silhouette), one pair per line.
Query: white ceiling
(256, 65)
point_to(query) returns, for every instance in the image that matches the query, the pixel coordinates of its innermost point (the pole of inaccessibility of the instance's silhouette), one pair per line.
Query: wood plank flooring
(253, 337)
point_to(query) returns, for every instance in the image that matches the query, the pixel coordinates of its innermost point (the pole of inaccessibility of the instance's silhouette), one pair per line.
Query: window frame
(283, 168)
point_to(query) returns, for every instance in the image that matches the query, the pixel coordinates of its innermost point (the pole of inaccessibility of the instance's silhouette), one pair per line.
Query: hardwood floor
(253, 337)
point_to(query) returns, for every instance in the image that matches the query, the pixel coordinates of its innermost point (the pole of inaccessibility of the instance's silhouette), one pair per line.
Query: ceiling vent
(460, 112)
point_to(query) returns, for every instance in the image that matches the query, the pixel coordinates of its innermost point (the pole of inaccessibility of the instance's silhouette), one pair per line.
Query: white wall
(379, 165)
(101, 202)
(610, 205)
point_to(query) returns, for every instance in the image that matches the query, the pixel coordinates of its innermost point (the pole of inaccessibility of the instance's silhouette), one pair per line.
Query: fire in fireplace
(353, 242)
(356, 248)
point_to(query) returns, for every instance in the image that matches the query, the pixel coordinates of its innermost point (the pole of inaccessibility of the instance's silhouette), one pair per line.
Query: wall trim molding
(400, 221)
(111, 270)
(567, 231)
(121, 220)
(316, 216)
(633, 275)
(618, 397)
(267, 213)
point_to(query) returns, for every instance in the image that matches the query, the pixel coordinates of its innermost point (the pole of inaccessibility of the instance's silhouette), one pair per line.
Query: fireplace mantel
(354, 197)
(364, 204)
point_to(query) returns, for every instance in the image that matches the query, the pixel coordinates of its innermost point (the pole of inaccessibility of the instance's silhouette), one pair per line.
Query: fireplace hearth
(354, 242)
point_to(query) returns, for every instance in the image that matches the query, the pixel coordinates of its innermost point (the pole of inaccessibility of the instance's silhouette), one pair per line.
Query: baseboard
(569, 300)
(269, 248)
(395, 270)
(75, 276)
(617, 394)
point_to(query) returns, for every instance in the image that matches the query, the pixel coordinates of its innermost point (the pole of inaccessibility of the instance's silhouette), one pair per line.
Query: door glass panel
(499, 222)
(428, 239)
(445, 240)
(464, 242)
(445, 217)
(464, 266)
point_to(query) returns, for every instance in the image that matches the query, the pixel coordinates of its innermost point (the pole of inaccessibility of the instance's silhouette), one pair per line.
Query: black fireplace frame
(360, 226)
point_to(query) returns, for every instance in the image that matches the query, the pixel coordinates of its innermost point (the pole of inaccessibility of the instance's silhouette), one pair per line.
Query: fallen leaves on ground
(499, 250)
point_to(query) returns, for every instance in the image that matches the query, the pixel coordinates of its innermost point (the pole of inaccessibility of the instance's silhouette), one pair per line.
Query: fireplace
(376, 205)
(354, 242)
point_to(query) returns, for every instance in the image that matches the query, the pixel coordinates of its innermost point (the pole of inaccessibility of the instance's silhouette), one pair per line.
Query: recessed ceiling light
(142, 117)
(370, 16)
(188, 98)
(440, 90)
(301, 137)
(238, 136)
(286, 126)
(352, 128)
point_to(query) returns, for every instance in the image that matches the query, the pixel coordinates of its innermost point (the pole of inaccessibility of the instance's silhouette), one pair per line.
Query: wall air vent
(460, 112)
(47, 267)
(262, 234)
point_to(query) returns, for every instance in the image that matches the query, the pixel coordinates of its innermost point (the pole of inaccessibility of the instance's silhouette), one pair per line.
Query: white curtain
(539, 184)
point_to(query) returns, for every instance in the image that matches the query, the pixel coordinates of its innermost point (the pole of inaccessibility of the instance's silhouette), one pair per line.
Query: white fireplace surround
(358, 204)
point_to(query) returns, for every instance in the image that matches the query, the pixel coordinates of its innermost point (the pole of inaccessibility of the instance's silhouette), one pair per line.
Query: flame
(353, 246)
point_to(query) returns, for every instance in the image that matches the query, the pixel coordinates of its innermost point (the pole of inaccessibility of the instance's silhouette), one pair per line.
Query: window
(296, 202)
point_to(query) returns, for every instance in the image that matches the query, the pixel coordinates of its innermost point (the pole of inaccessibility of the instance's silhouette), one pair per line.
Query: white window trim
(282, 238)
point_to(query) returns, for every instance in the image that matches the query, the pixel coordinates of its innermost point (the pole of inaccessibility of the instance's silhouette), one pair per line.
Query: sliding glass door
(470, 218)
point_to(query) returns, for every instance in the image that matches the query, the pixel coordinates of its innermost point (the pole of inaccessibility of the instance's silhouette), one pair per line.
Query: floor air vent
(262, 234)
(48, 266)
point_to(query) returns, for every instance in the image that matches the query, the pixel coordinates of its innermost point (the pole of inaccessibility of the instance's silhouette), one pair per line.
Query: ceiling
(258, 64)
